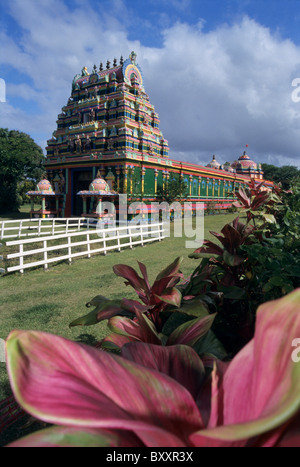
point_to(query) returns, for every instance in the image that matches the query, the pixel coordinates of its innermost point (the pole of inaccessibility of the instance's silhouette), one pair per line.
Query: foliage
(280, 175)
(251, 263)
(162, 318)
(293, 198)
(254, 262)
(274, 267)
(20, 159)
(174, 189)
(154, 299)
(253, 199)
(23, 188)
(210, 208)
(162, 396)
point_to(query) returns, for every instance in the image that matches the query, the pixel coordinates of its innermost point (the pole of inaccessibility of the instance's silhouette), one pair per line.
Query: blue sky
(219, 73)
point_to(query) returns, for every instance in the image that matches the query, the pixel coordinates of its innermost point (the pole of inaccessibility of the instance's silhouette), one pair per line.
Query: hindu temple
(109, 131)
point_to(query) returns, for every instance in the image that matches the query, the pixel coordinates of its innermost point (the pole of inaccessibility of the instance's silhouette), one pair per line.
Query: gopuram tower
(108, 125)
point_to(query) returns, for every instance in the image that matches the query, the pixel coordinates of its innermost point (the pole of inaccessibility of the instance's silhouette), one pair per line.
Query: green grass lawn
(49, 300)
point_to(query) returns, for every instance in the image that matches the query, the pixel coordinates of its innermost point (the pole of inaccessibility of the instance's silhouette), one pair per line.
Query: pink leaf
(128, 273)
(188, 333)
(133, 306)
(58, 436)
(171, 296)
(179, 362)
(163, 284)
(145, 276)
(262, 384)
(171, 270)
(116, 341)
(210, 247)
(66, 383)
(143, 330)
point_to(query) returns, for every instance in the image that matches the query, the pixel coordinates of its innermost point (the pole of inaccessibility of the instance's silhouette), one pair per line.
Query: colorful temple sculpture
(109, 131)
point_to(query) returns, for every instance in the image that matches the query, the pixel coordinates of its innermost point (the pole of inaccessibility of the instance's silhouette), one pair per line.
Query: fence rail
(50, 250)
(36, 227)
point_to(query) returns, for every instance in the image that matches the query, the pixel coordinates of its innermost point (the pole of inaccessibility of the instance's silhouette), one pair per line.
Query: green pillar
(57, 205)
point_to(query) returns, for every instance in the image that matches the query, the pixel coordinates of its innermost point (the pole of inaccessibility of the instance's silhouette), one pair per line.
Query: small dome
(45, 186)
(99, 185)
(214, 164)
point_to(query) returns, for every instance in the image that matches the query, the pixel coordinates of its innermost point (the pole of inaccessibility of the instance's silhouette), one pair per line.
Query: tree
(283, 175)
(21, 159)
(174, 189)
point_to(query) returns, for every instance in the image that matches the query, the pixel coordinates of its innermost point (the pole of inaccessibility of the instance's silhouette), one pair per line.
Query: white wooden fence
(37, 227)
(2, 270)
(50, 250)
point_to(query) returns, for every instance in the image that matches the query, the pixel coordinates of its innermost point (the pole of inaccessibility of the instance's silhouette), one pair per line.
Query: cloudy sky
(220, 73)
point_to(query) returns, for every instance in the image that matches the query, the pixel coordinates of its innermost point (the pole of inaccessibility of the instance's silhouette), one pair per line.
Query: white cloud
(214, 91)
(226, 88)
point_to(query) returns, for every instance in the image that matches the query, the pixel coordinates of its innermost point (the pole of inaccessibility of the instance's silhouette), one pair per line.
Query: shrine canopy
(43, 188)
(98, 190)
(49, 199)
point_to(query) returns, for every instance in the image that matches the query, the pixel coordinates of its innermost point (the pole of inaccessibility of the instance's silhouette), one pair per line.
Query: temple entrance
(81, 180)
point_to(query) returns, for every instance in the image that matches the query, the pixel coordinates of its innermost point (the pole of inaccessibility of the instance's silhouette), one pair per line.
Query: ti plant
(161, 317)
(256, 203)
(162, 396)
(221, 280)
(252, 263)
(155, 299)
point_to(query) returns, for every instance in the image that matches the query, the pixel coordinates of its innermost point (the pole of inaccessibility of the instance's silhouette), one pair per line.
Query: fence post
(130, 238)
(53, 226)
(160, 231)
(69, 249)
(141, 233)
(20, 229)
(88, 245)
(2, 230)
(45, 254)
(39, 229)
(119, 243)
(67, 226)
(104, 242)
(21, 258)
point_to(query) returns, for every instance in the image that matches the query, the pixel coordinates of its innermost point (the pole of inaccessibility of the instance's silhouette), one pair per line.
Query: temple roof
(244, 162)
(124, 72)
(214, 164)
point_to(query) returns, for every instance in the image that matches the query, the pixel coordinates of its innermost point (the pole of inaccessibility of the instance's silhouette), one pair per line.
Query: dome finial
(214, 164)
